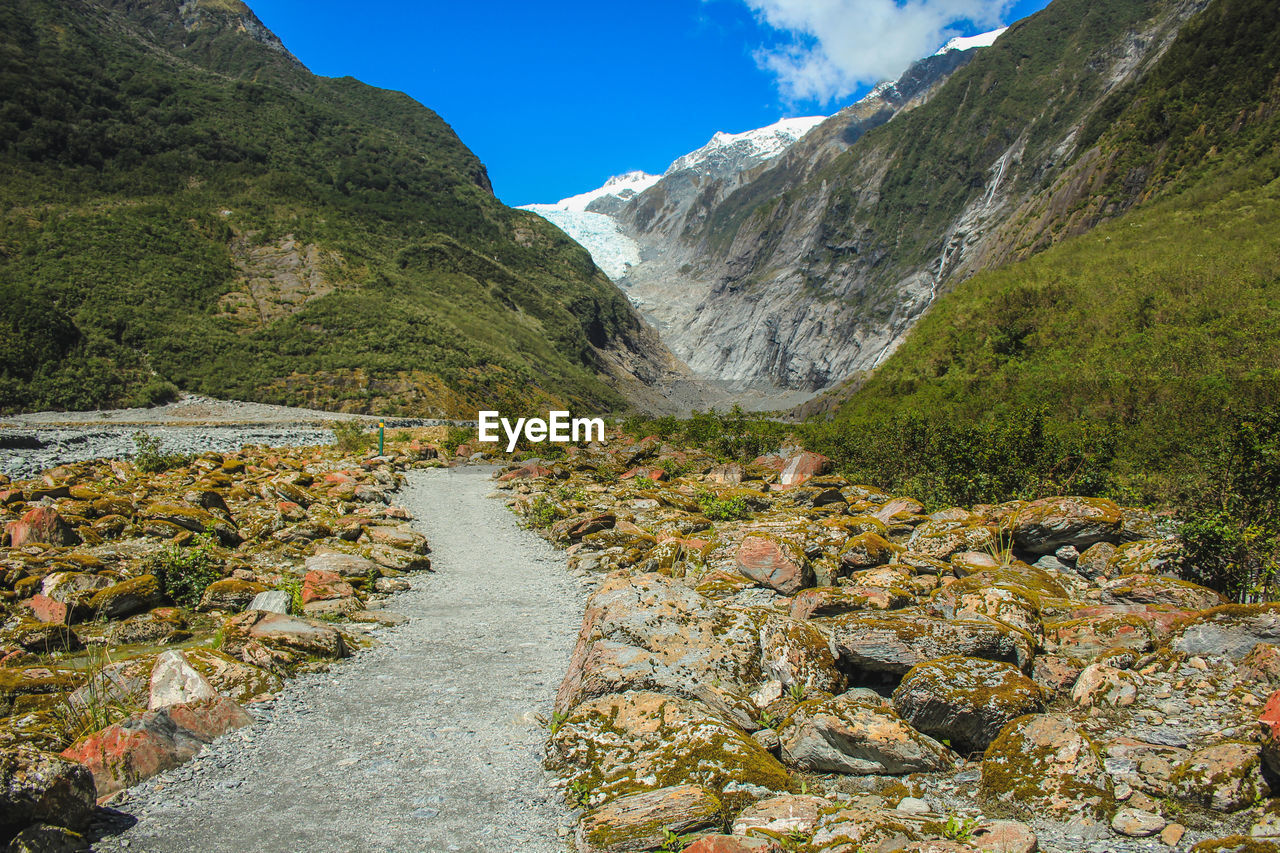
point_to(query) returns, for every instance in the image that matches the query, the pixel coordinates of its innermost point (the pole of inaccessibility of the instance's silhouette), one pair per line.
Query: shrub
(150, 459)
(722, 509)
(185, 573)
(351, 436)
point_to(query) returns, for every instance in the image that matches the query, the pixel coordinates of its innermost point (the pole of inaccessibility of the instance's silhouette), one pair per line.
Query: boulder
(235, 679)
(573, 529)
(734, 844)
(1261, 664)
(41, 524)
(1100, 684)
(625, 743)
(74, 588)
(1042, 765)
(784, 815)
(865, 551)
(1095, 561)
(230, 595)
(640, 821)
(45, 609)
(128, 597)
(1088, 637)
(1044, 526)
(1146, 557)
(794, 652)
(649, 632)
(1225, 777)
(857, 733)
(42, 638)
(346, 565)
(281, 632)
(1136, 823)
(273, 601)
(47, 838)
(39, 787)
(896, 641)
(1230, 631)
(160, 626)
(939, 540)
(1150, 589)
(174, 682)
(965, 701)
(803, 466)
(775, 563)
(838, 600)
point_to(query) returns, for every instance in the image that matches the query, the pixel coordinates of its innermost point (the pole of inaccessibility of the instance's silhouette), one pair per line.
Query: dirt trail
(427, 742)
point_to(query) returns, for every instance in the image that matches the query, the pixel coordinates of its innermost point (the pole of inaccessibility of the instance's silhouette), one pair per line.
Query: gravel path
(427, 742)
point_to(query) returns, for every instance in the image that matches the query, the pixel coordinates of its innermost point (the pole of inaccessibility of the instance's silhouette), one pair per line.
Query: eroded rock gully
(777, 659)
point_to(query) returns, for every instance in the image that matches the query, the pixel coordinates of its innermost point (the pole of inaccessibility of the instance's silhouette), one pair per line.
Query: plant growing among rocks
(185, 573)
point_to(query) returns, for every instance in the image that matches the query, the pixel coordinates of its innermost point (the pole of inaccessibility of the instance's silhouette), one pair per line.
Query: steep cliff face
(813, 268)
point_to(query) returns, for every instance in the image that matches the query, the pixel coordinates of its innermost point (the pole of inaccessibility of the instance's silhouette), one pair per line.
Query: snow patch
(763, 143)
(613, 251)
(623, 186)
(970, 42)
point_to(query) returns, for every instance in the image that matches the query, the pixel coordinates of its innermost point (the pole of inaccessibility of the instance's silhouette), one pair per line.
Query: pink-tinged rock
(729, 474)
(1269, 723)
(339, 477)
(9, 497)
(209, 719)
(526, 472)
(280, 632)
(46, 609)
(42, 524)
(773, 563)
(322, 586)
(772, 461)
(462, 450)
(641, 821)
(733, 844)
(782, 815)
(124, 754)
(1004, 836)
(1045, 525)
(802, 467)
(837, 600)
(1088, 637)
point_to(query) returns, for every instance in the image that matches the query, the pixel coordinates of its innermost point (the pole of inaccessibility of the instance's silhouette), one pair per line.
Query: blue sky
(555, 97)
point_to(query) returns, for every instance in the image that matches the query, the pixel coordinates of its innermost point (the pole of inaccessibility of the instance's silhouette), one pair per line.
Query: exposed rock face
(860, 734)
(966, 701)
(641, 821)
(1043, 765)
(38, 787)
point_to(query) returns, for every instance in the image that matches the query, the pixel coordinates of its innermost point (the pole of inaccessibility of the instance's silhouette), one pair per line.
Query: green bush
(185, 573)
(722, 509)
(351, 436)
(150, 459)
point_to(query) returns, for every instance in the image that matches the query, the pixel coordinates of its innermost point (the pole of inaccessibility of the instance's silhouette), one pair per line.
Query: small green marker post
(380, 426)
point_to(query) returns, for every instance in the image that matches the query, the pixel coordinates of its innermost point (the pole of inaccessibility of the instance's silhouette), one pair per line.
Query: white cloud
(836, 46)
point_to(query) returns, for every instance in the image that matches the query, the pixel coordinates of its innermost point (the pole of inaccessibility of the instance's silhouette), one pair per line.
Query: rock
(1043, 766)
(235, 679)
(229, 595)
(896, 641)
(803, 466)
(865, 551)
(47, 838)
(649, 632)
(40, 787)
(628, 742)
(857, 733)
(1056, 674)
(162, 625)
(174, 681)
(784, 815)
(573, 529)
(1225, 777)
(125, 753)
(1261, 664)
(271, 601)
(966, 701)
(1269, 735)
(281, 632)
(1137, 823)
(195, 519)
(42, 638)
(323, 586)
(45, 609)
(346, 565)
(774, 563)
(1172, 834)
(1149, 589)
(1087, 638)
(838, 600)
(126, 598)
(73, 588)
(1100, 684)
(41, 524)
(796, 653)
(402, 537)
(734, 844)
(1044, 526)
(1147, 557)
(940, 539)
(1004, 836)
(1231, 630)
(640, 821)
(1094, 561)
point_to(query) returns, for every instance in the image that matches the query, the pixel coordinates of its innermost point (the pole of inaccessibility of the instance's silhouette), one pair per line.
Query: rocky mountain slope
(186, 205)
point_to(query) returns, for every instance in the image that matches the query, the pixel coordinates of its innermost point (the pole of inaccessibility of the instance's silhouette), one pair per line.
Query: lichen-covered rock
(41, 524)
(940, 539)
(1010, 603)
(47, 838)
(625, 743)
(775, 563)
(641, 821)
(965, 701)
(857, 733)
(574, 528)
(1231, 630)
(734, 844)
(1150, 589)
(1042, 765)
(1045, 525)
(1100, 684)
(40, 787)
(794, 652)
(282, 632)
(346, 565)
(865, 551)
(1146, 557)
(651, 633)
(229, 595)
(42, 638)
(136, 595)
(1261, 664)
(1090, 636)
(161, 626)
(894, 642)
(1094, 562)
(195, 519)
(235, 679)
(1225, 777)
(837, 600)
(784, 815)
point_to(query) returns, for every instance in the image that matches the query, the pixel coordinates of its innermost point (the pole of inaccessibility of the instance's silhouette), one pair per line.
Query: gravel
(430, 740)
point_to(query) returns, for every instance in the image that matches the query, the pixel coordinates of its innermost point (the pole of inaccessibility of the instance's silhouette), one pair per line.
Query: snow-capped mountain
(623, 187)
(970, 42)
(727, 153)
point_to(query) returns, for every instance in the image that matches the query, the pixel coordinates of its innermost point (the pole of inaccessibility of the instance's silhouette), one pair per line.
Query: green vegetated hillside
(1159, 329)
(185, 205)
